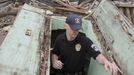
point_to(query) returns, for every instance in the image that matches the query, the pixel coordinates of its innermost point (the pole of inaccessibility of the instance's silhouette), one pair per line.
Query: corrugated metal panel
(19, 53)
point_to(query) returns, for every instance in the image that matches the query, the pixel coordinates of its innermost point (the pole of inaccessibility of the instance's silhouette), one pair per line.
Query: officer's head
(73, 24)
(74, 21)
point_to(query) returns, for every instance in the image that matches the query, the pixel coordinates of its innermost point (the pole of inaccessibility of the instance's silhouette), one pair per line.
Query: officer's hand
(112, 68)
(57, 64)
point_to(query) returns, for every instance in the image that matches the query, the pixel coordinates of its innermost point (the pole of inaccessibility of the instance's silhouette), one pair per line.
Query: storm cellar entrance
(56, 27)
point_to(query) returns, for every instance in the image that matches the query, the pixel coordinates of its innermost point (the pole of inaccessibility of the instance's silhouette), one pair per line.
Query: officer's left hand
(112, 68)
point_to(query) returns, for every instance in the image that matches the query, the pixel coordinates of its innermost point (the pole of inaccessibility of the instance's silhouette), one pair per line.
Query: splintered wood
(126, 7)
(45, 59)
(66, 6)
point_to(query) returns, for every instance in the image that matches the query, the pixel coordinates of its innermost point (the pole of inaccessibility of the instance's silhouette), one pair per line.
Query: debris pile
(63, 7)
(10, 8)
(7, 17)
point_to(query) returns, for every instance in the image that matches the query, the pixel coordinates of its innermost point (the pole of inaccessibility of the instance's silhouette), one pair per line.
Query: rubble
(10, 8)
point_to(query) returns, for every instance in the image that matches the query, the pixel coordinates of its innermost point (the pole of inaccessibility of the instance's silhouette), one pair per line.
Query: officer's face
(72, 33)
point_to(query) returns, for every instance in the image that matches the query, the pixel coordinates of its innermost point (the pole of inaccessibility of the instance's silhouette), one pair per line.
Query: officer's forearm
(54, 57)
(101, 59)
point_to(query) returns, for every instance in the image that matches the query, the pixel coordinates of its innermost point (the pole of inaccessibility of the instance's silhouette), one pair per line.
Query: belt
(76, 73)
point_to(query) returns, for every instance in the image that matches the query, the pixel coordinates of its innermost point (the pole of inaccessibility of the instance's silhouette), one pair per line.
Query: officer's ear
(65, 25)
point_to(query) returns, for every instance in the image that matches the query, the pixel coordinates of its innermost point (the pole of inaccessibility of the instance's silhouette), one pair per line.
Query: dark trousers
(66, 73)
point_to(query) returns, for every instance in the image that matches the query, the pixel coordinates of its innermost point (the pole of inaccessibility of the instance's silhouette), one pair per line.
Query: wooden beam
(64, 4)
(78, 11)
(14, 13)
(45, 63)
(123, 4)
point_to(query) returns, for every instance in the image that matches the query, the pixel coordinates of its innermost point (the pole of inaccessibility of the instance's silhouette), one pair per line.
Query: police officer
(71, 47)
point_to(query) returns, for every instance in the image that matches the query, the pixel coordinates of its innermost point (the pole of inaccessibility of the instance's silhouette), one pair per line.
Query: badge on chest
(78, 47)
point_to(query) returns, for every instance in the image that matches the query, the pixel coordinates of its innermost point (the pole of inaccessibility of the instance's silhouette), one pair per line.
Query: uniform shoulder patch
(94, 47)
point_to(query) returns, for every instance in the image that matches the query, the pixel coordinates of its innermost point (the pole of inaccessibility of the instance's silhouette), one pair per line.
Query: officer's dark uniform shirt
(73, 53)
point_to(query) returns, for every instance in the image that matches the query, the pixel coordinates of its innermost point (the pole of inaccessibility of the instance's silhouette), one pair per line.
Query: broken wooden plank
(64, 4)
(126, 7)
(128, 13)
(77, 11)
(115, 28)
(45, 63)
(132, 13)
(19, 53)
(8, 13)
(123, 4)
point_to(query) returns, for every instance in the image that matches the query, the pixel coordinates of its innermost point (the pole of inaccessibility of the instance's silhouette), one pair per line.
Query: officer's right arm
(57, 64)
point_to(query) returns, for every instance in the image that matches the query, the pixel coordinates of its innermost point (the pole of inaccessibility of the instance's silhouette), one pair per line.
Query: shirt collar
(65, 38)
